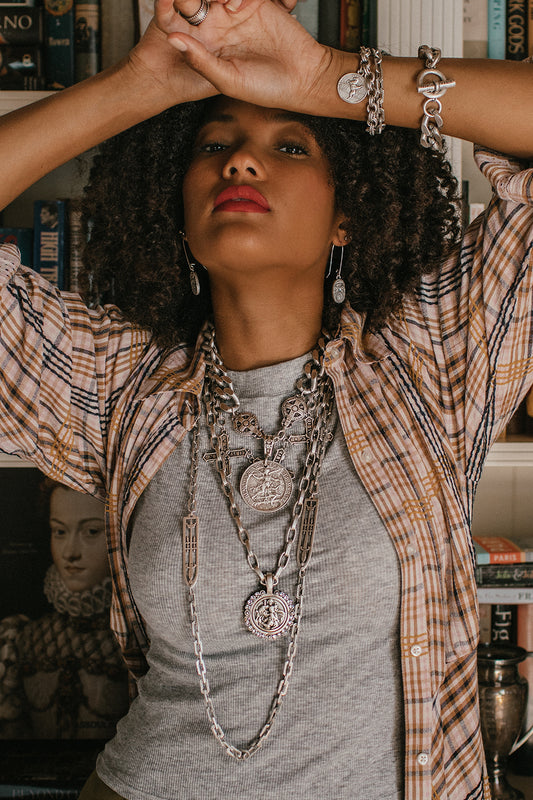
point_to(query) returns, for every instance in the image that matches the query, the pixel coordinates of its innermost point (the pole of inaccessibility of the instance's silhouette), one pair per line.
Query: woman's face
(258, 193)
(78, 539)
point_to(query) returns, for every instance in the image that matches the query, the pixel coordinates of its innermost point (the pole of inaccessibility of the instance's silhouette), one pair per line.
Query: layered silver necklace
(266, 485)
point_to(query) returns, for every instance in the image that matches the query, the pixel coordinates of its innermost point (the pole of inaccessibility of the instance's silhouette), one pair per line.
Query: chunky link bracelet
(433, 84)
(353, 87)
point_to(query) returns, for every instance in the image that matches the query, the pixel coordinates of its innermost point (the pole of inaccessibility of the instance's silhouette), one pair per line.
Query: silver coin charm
(338, 291)
(269, 614)
(352, 87)
(266, 486)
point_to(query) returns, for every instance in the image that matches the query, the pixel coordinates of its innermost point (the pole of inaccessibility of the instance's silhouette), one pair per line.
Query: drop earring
(338, 290)
(193, 275)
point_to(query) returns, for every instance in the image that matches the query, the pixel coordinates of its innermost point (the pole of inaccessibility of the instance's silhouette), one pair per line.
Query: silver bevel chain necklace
(269, 613)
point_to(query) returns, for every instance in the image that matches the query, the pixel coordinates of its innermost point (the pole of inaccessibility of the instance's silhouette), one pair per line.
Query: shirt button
(422, 759)
(410, 550)
(366, 455)
(416, 650)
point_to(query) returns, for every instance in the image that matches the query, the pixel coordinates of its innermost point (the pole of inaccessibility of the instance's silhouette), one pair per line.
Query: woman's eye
(58, 532)
(294, 149)
(92, 533)
(212, 147)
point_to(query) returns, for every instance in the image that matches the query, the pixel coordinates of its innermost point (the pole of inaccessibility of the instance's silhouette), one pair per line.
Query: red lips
(241, 199)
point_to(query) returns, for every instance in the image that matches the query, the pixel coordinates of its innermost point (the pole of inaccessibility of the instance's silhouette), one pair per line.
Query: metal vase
(502, 698)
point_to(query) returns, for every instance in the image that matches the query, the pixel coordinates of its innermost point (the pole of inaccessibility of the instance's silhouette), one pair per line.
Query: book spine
(369, 23)
(50, 241)
(505, 595)
(530, 30)
(329, 17)
(21, 25)
(30, 3)
(503, 623)
(496, 28)
(76, 247)
(87, 39)
(516, 40)
(503, 575)
(59, 44)
(350, 25)
(21, 67)
(475, 28)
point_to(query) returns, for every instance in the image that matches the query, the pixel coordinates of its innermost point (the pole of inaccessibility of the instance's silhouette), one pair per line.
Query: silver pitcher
(502, 698)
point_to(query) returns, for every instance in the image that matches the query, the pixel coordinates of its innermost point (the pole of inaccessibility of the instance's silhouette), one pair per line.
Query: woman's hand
(258, 53)
(155, 56)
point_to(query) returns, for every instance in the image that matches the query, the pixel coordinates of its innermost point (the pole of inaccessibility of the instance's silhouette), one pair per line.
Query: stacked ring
(199, 16)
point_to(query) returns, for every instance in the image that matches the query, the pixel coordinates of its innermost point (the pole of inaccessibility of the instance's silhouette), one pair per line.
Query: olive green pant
(95, 789)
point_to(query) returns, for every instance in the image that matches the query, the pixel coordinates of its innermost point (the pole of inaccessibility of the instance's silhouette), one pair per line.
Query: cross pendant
(226, 453)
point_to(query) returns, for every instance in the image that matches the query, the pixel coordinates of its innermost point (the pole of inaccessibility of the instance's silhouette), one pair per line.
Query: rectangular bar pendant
(307, 530)
(190, 549)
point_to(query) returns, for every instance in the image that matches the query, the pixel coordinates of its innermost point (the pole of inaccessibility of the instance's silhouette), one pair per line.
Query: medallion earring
(338, 290)
(193, 275)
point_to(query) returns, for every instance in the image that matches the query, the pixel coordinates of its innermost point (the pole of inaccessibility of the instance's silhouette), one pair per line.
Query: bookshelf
(503, 502)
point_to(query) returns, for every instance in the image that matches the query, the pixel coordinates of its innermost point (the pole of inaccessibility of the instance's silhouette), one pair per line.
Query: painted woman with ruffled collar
(62, 676)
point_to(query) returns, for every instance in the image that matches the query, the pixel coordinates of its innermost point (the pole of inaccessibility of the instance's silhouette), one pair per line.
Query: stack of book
(48, 44)
(498, 29)
(53, 246)
(340, 23)
(504, 576)
(21, 46)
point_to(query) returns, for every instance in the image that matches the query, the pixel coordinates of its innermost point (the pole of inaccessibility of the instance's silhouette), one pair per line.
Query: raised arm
(45, 134)
(269, 59)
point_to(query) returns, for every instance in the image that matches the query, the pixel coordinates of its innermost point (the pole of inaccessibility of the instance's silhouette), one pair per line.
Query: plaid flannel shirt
(93, 402)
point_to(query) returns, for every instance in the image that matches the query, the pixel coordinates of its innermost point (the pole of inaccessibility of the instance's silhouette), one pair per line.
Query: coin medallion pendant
(266, 486)
(269, 614)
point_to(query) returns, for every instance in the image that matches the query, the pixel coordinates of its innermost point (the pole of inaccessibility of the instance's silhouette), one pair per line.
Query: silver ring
(200, 15)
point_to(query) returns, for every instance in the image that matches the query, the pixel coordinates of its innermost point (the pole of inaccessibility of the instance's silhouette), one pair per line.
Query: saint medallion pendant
(266, 486)
(269, 614)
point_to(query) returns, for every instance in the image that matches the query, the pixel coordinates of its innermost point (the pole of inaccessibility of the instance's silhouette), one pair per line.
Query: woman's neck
(264, 328)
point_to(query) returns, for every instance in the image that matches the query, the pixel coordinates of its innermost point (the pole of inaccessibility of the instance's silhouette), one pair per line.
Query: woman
(213, 450)
(62, 674)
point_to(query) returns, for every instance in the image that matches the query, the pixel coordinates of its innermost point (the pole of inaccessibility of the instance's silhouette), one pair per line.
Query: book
(50, 241)
(59, 43)
(505, 575)
(75, 246)
(86, 39)
(21, 67)
(19, 3)
(516, 38)
(369, 23)
(329, 21)
(350, 25)
(501, 550)
(475, 28)
(21, 25)
(503, 623)
(497, 29)
(23, 239)
(306, 12)
(530, 28)
(505, 595)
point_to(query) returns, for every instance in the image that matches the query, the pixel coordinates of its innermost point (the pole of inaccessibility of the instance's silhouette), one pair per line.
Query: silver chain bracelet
(353, 87)
(433, 84)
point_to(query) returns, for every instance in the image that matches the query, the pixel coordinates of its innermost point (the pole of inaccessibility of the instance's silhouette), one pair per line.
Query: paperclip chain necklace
(264, 608)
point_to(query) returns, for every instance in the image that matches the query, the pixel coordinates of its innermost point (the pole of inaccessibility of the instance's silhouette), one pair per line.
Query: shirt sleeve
(477, 317)
(61, 366)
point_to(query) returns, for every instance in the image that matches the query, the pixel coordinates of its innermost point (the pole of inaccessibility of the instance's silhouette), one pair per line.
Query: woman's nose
(242, 161)
(72, 549)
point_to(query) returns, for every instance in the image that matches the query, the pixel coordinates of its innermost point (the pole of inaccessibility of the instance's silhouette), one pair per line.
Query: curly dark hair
(400, 200)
